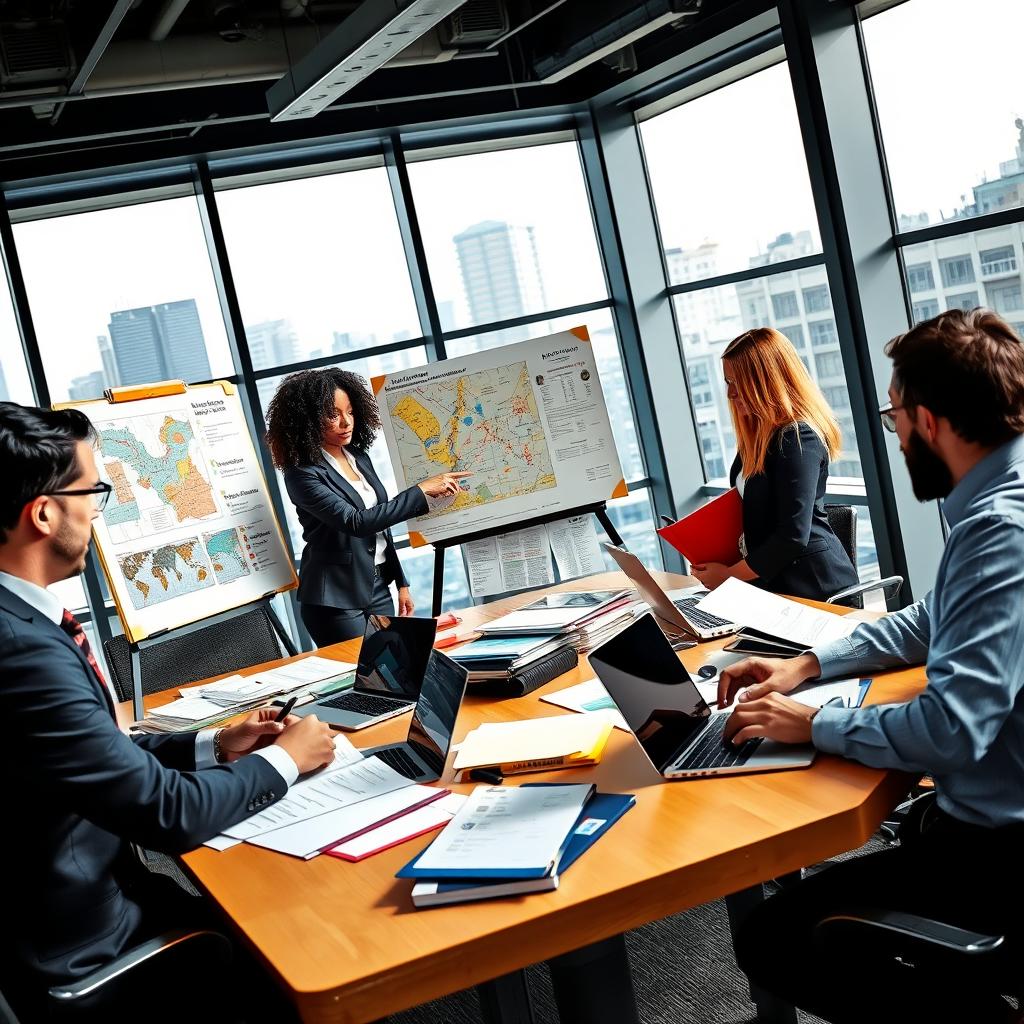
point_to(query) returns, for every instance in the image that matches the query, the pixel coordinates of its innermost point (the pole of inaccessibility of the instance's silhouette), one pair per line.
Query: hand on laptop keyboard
(773, 717)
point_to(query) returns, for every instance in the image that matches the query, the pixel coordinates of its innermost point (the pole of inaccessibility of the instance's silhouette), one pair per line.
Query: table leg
(770, 1008)
(594, 984)
(506, 1000)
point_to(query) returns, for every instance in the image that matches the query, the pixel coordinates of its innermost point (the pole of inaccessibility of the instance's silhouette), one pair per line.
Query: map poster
(528, 421)
(189, 529)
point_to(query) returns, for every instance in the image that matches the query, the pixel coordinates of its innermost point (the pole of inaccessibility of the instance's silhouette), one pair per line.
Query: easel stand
(136, 649)
(440, 547)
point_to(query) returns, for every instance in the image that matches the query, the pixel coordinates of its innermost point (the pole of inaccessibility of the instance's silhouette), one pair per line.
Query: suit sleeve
(792, 471)
(307, 491)
(76, 756)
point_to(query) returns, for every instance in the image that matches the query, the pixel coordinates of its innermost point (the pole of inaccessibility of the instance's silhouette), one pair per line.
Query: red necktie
(74, 629)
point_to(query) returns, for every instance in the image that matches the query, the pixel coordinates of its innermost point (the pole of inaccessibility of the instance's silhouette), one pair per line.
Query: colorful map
(166, 572)
(226, 555)
(485, 422)
(158, 473)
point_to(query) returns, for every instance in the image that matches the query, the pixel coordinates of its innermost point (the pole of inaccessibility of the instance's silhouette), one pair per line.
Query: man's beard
(929, 475)
(71, 549)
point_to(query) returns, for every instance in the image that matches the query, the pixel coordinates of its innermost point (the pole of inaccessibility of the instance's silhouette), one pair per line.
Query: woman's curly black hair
(303, 404)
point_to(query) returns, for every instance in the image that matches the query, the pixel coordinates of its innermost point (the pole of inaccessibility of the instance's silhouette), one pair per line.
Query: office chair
(842, 519)
(223, 647)
(147, 975)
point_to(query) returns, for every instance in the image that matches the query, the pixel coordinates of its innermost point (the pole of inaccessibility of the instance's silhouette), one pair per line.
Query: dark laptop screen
(653, 691)
(433, 719)
(394, 655)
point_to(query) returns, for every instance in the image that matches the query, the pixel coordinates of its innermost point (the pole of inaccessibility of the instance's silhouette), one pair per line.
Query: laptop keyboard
(712, 751)
(362, 703)
(397, 758)
(696, 617)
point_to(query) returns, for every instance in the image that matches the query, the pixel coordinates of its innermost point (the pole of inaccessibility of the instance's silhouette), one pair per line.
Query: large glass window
(497, 248)
(713, 219)
(14, 381)
(911, 49)
(137, 299)
(319, 266)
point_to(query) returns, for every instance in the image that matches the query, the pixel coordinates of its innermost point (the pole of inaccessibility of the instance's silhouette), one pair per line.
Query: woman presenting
(320, 425)
(786, 436)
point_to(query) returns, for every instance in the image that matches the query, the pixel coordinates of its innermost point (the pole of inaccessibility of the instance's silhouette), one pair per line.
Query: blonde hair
(777, 390)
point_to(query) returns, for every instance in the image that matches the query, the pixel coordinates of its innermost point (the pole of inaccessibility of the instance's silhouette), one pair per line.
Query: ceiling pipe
(166, 19)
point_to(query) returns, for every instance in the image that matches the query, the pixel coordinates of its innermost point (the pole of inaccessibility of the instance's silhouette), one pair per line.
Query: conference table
(345, 942)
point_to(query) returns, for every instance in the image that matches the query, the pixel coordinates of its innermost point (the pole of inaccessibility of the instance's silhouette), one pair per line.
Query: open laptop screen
(393, 658)
(652, 689)
(433, 719)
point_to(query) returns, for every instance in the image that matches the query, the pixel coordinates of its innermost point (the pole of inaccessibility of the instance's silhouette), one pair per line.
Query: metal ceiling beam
(99, 47)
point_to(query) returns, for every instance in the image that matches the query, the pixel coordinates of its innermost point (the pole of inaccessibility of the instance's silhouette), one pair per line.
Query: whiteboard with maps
(189, 529)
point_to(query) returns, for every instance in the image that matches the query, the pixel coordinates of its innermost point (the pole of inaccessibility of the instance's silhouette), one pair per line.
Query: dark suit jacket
(341, 532)
(789, 542)
(78, 791)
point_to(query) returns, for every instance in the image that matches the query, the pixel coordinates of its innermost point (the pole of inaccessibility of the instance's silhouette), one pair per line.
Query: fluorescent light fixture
(374, 33)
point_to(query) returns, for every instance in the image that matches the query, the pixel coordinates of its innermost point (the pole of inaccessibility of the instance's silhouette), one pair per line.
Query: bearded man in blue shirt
(957, 405)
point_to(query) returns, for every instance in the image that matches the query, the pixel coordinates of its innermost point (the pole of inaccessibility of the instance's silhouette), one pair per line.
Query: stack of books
(508, 841)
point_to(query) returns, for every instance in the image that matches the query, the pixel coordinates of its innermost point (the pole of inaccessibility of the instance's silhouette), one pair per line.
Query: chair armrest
(911, 926)
(889, 584)
(217, 947)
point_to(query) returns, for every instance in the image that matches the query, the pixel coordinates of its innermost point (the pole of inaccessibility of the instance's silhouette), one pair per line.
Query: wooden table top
(348, 944)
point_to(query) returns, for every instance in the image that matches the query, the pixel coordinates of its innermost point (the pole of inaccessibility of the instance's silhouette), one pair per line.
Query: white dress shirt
(51, 607)
(369, 496)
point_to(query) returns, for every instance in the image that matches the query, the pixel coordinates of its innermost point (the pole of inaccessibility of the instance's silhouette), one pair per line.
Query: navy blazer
(341, 532)
(790, 545)
(79, 791)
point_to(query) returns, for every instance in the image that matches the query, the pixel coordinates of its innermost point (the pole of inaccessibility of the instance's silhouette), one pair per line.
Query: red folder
(712, 533)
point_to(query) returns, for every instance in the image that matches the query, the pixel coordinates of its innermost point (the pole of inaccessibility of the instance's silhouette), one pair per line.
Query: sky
(326, 252)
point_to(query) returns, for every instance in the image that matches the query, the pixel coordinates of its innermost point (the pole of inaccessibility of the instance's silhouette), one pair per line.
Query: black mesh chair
(843, 521)
(247, 639)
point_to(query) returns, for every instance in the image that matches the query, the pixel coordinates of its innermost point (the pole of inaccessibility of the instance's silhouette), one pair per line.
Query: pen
(283, 713)
(835, 702)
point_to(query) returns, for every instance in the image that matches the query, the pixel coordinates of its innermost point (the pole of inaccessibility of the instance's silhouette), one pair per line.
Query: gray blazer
(79, 792)
(341, 532)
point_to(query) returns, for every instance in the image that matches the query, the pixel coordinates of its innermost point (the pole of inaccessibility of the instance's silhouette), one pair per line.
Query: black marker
(284, 712)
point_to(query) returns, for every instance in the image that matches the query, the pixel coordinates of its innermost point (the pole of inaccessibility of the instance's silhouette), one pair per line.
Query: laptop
(421, 757)
(681, 616)
(664, 710)
(392, 663)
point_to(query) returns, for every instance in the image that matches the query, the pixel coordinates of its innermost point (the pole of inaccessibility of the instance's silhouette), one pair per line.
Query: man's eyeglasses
(100, 493)
(888, 414)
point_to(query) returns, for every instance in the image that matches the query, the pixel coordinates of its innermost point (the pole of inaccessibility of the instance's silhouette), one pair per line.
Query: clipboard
(214, 593)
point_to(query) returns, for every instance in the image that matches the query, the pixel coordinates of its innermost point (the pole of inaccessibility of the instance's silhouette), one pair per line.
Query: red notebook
(712, 533)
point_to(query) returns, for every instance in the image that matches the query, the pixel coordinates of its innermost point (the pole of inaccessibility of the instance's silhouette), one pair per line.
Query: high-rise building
(272, 343)
(500, 271)
(89, 385)
(110, 370)
(163, 342)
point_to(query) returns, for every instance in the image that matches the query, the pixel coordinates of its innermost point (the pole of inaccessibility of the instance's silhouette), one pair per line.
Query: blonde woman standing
(786, 436)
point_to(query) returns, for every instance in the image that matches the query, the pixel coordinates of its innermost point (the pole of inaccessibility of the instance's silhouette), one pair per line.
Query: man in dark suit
(79, 791)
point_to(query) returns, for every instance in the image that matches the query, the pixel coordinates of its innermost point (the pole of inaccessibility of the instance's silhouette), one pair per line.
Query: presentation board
(528, 420)
(189, 529)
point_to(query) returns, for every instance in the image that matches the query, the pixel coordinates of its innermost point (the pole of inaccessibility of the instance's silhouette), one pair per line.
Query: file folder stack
(510, 841)
(511, 666)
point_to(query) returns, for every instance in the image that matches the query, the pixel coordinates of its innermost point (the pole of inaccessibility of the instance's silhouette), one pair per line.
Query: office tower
(163, 342)
(500, 272)
(89, 385)
(272, 343)
(110, 370)
(351, 341)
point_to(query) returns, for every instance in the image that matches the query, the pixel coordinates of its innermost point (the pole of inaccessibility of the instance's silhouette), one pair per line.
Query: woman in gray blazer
(320, 425)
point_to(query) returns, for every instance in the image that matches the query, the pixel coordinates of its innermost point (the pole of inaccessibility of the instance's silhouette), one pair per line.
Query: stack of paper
(509, 841)
(773, 625)
(498, 657)
(535, 744)
(559, 613)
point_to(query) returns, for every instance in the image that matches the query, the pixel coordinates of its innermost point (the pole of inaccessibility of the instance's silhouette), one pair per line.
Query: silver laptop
(677, 617)
(421, 757)
(392, 664)
(678, 731)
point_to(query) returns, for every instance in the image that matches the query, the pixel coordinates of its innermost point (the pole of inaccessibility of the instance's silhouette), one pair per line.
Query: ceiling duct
(366, 40)
(635, 22)
(476, 23)
(34, 52)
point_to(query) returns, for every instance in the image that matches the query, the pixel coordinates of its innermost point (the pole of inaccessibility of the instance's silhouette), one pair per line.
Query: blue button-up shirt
(967, 727)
